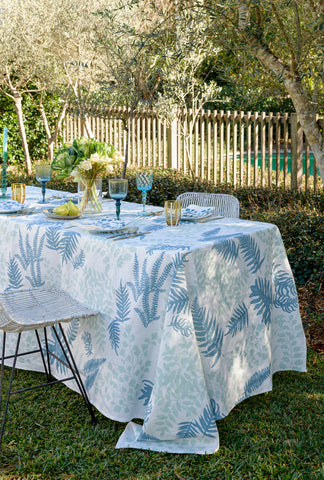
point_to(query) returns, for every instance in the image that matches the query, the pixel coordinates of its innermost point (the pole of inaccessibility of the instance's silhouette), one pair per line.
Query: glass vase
(90, 195)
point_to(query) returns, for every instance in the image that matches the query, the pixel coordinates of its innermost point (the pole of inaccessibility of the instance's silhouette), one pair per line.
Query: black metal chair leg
(42, 355)
(75, 371)
(9, 388)
(47, 352)
(2, 365)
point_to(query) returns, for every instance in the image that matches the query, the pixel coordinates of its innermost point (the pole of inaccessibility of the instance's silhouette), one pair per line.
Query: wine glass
(144, 183)
(118, 191)
(43, 175)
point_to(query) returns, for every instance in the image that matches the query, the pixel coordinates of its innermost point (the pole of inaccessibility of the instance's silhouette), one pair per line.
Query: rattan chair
(226, 205)
(35, 309)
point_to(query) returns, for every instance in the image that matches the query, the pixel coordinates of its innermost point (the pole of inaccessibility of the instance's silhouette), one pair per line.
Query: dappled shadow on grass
(274, 435)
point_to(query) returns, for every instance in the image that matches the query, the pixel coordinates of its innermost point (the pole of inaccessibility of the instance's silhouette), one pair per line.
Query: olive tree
(46, 47)
(150, 61)
(130, 48)
(287, 39)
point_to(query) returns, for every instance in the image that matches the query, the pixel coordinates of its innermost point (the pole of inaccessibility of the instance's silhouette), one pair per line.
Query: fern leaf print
(181, 325)
(14, 274)
(91, 370)
(146, 391)
(188, 429)
(52, 238)
(285, 292)
(72, 330)
(114, 335)
(209, 335)
(79, 260)
(261, 294)
(205, 425)
(123, 305)
(238, 321)
(228, 249)
(251, 253)
(68, 245)
(256, 381)
(86, 338)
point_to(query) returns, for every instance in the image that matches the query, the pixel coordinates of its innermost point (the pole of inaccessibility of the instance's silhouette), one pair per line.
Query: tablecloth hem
(200, 446)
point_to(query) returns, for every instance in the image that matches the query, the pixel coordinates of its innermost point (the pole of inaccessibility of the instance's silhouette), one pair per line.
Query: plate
(49, 213)
(106, 225)
(11, 206)
(196, 219)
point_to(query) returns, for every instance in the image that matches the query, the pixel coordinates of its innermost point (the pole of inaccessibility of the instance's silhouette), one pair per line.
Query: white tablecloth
(193, 320)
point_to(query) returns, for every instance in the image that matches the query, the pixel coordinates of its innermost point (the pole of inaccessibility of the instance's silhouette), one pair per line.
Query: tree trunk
(304, 109)
(22, 130)
(51, 139)
(128, 129)
(292, 82)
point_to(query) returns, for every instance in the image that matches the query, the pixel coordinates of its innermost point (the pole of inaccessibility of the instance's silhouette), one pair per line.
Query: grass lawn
(277, 435)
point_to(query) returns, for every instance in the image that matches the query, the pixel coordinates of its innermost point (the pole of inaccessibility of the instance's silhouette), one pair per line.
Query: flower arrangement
(86, 160)
(70, 155)
(94, 167)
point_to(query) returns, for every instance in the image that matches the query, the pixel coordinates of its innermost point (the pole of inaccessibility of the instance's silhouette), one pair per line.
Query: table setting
(197, 311)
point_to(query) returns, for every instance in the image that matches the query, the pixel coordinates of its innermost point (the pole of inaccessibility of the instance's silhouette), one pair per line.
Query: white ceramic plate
(106, 225)
(11, 206)
(49, 213)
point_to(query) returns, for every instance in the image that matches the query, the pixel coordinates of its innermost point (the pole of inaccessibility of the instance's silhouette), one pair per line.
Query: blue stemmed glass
(43, 175)
(118, 191)
(144, 182)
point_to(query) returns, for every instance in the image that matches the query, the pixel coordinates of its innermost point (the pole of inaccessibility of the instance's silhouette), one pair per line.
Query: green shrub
(35, 131)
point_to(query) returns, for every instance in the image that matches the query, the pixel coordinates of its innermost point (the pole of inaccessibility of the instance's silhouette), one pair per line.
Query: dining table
(192, 319)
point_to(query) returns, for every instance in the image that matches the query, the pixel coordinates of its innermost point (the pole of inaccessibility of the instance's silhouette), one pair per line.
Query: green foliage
(35, 131)
(71, 154)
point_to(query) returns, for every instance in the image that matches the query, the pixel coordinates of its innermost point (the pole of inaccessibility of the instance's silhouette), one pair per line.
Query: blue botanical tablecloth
(193, 320)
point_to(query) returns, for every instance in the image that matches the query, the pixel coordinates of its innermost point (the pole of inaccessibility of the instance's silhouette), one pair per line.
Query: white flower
(94, 158)
(86, 164)
(76, 174)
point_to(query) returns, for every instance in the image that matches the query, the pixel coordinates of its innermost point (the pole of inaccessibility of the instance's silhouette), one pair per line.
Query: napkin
(195, 211)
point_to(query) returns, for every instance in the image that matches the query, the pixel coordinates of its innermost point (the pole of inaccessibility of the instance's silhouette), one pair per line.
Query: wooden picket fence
(214, 145)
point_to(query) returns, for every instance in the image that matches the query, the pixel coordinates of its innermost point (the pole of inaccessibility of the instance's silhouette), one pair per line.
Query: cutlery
(131, 236)
(154, 213)
(125, 232)
(22, 213)
(209, 219)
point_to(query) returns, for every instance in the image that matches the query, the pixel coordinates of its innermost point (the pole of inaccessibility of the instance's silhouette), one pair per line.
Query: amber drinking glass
(18, 192)
(172, 211)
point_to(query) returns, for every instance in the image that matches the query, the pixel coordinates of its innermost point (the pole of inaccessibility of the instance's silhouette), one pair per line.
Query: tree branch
(299, 33)
(283, 30)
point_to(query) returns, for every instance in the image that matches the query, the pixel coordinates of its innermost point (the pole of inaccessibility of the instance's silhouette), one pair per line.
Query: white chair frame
(224, 204)
(31, 310)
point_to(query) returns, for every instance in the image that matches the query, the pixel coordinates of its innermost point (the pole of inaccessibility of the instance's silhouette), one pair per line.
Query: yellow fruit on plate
(73, 209)
(61, 209)
(68, 209)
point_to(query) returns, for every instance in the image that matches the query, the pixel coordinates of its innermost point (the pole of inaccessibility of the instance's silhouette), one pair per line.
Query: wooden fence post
(296, 153)
(172, 144)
